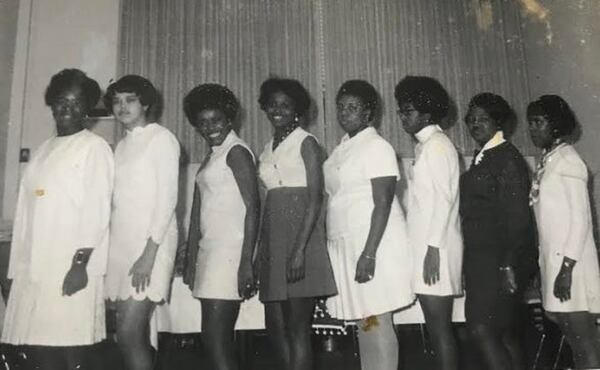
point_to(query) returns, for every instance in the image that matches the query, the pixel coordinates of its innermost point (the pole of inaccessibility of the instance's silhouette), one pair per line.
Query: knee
(128, 334)
(481, 332)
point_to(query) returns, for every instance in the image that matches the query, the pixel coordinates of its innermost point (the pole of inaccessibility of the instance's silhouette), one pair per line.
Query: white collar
(426, 132)
(367, 131)
(228, 139)
(496, 140)
(139, 129)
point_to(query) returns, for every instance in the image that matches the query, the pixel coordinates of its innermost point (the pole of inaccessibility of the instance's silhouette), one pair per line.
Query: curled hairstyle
(210, 96)
(558, 113)
(425, 94)
(73, 78)
(364, 91)
(495, 106)
(291, 88)
(138, 85)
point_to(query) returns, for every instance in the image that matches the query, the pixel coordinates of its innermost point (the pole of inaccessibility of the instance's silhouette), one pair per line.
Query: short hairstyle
(73, 78)
(495, 106)
(426, 95)
(138, 85)
(362, 90)
(291, 88)
(210, 96)
(557, 112)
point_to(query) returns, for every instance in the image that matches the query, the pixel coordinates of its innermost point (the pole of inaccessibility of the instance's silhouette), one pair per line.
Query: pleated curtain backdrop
(469, 45)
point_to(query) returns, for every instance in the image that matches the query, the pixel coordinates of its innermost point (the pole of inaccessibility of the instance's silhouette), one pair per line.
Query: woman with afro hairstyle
(433, 220)
(55, 308)
(224, 221)
(294, 267)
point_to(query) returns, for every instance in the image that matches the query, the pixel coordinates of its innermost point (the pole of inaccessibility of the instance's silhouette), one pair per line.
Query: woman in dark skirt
(499, 234)
(294, 266)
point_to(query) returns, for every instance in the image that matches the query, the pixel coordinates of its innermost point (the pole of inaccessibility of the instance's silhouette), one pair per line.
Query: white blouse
(284, 166)
(63, 205)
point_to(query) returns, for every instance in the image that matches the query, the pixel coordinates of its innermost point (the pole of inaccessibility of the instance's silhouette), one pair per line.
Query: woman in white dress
(224, 221)
(58, 254)
(366, 230)
(143, 236)
(432, 211)
(568, 256)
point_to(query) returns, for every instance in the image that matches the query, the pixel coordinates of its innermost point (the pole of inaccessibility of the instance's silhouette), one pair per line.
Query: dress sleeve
(443, 169)
(381, 160)
(513, 205)
(165, 151)
(574, 176)
(98, 179)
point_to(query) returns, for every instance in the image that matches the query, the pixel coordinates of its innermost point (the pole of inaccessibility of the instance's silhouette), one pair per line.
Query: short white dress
(432, 211)
(564, 221)
(144, 200)
(222, 219)
(348, 173)
(63, 205)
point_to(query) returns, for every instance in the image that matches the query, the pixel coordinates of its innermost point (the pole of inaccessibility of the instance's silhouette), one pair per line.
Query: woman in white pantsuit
(143, 235)
(432, 211)
(58, 256)
(570, 275)
(366, 230)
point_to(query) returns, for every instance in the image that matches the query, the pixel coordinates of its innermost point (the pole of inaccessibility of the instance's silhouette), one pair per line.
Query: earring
(296, 119)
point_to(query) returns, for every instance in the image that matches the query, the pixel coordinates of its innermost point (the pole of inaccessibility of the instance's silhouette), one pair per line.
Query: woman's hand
(563, 281)
(75, 280)
(142, 268)
(365, 269)
(508, 280)
(246, 281)
(295, 266)
(431, 266)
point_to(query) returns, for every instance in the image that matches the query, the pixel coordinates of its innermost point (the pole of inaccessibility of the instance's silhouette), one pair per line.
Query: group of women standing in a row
(368, 259)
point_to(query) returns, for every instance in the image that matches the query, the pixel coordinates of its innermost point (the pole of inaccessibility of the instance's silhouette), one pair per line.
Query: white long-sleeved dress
(63, 205)
(432, 211)
(144, 200)
(564, 220)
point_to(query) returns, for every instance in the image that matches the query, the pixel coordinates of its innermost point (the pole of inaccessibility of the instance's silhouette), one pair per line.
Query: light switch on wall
(24, 155)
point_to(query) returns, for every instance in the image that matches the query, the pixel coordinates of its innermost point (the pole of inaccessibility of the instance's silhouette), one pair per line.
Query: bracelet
(568, 264)
(80, 258)
(505, 268)
(368, 257)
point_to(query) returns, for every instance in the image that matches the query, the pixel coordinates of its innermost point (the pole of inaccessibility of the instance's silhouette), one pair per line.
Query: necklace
(283, 133)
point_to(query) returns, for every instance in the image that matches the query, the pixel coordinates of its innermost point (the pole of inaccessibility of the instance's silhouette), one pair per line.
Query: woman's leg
(581, 332)
(514, 346)
(275, 325)
(218, 323)
(133, 333)
(489, 341)
(378, 343)
(298, 314)
(438, 317)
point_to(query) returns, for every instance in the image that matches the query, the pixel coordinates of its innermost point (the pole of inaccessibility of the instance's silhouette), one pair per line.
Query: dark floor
(183, 352)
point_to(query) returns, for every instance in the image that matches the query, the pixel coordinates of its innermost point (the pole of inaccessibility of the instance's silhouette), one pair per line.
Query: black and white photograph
(299, 184)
